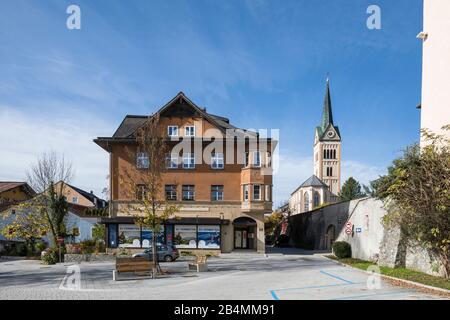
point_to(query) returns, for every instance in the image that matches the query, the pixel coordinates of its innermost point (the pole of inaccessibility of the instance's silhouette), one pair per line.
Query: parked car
(165, 253)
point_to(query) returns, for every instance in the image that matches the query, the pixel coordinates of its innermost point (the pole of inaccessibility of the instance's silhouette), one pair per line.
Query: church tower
(327, 148)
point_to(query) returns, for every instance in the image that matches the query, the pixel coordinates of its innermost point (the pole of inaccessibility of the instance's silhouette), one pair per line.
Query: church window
(306, 201)
(316, 199)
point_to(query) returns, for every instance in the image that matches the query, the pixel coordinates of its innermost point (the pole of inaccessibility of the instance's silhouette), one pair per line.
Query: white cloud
(363, 173)
(24, 136)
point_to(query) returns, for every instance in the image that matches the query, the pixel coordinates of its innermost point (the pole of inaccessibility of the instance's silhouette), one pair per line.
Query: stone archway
(244, 230)
(330, 237)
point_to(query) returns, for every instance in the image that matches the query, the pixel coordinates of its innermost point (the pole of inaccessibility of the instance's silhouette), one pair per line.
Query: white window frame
(253, 189)
(169, 128)
(246, 191)
(217, 193)
(171, 161)
(141, 157)
(190, 193)
(217, 161)
(74, 199)
(268, 195)
(246, 159)
(188, 161)
(187, 133)
(172, 193)
(256, 165)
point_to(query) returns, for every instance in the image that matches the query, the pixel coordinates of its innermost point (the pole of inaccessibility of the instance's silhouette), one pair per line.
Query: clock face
(330, 134)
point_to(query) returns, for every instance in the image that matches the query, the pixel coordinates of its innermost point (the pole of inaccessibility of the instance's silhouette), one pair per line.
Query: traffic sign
(348, 228)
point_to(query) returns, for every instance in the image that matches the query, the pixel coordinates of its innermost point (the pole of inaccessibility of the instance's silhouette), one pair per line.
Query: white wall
(435, 111)
(367, 215)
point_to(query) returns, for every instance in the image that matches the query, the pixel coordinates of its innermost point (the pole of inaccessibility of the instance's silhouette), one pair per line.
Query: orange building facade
(219, 177)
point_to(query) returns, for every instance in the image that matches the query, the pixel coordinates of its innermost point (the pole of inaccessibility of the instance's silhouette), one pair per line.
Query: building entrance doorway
(244, 233)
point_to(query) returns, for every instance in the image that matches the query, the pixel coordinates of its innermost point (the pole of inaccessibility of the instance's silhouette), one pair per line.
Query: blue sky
(262, 63)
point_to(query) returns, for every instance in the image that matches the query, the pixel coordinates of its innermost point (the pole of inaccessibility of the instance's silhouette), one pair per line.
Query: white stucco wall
(366, 217)
(84, 225)
(435, 111)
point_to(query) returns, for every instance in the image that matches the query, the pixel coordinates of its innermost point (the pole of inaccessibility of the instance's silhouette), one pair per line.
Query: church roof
(327, 115)
(312, 181)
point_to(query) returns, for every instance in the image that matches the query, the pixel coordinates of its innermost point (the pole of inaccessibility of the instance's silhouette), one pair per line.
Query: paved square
(293, 275)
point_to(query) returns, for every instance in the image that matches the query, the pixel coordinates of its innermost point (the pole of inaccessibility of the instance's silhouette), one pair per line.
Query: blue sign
(358, 230)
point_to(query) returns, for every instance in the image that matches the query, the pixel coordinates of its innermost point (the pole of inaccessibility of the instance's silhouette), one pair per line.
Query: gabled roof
(89, 195)
(312, 181)
(9, 185)
(125, 131)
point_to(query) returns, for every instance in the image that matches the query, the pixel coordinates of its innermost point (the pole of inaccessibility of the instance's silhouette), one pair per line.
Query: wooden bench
(139, 266)
(199, 265)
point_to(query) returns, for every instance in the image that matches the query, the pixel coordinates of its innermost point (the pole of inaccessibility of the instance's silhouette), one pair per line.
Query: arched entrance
(244, 233)
(329, 237)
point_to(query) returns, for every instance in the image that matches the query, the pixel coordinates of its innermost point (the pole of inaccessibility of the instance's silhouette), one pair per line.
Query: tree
(351, 189)
(28, 226)
(152, 210)
(50, 205)
(416, 192)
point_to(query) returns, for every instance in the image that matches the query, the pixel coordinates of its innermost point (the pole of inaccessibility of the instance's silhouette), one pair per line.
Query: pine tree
(351, 190)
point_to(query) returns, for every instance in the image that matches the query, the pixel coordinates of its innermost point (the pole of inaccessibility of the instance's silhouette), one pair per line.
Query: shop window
(209, 237)
(129, 236)
(188, 192)
(147, 236)
(185, 236)
(217, 193)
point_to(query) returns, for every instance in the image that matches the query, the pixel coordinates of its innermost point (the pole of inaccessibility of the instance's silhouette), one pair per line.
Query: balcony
(260, 206)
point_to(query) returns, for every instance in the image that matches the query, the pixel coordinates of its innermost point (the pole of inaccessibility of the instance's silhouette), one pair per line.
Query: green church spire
(327, 115)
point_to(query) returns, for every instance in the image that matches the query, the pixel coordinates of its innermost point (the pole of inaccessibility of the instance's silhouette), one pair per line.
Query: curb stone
(409, 282)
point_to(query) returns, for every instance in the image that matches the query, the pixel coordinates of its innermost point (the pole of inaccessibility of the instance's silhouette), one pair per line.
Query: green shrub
(49, 256)
(342, 249)
(21, 249)
(40, 246)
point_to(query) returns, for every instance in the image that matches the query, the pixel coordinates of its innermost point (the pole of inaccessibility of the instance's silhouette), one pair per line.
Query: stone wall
(370, 238)
(101, 257)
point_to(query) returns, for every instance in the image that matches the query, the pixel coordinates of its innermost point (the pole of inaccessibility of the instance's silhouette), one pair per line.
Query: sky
(261, 63)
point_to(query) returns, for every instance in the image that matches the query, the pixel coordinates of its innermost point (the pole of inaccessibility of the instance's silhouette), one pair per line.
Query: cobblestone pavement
(284, 275)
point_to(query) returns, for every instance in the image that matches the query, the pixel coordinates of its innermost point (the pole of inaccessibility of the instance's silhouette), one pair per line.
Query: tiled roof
(312, 181)
(8, 185)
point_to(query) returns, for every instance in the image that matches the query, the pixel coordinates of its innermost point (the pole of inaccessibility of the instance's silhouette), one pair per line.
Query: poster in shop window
(147, 237)
(185, 236)
(129, 236)
(209, 237)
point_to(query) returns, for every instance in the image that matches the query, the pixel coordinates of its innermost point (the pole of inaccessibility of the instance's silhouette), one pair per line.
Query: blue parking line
(374, 294)
(336, 277)
(275, 296)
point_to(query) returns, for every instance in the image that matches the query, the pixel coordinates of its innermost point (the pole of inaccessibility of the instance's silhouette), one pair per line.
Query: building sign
(358, 230)
(209, 237)
(185, 236)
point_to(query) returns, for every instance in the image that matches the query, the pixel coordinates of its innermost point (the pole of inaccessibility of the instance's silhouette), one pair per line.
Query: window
(316, 199)
(268, 159)
(246, 162)
(189, 131)
(171, 161)
(256, 159)
(217, 193)
(268, 196)
(171, 192)
(188, 161)
(74, 199)
(141, 192)
(172, 131)
(217, 161)
(306, 201)
(329, 171)
(246, 192)
(188, 192)
(142, 161)
(256, 192)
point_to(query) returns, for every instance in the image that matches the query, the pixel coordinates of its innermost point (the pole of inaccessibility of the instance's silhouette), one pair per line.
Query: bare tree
(152, 211)
(49, 168)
